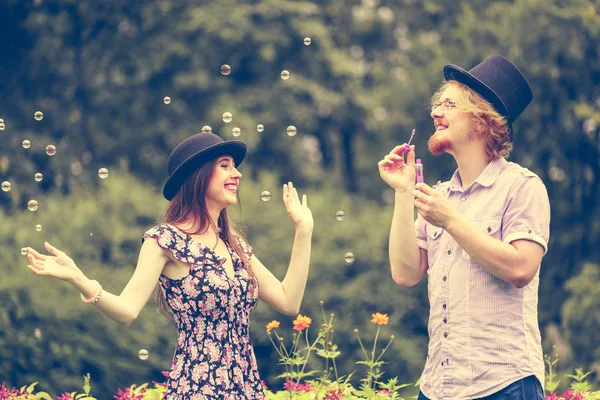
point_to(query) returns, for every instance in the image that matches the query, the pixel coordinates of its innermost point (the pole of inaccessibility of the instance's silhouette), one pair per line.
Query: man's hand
(433, 206)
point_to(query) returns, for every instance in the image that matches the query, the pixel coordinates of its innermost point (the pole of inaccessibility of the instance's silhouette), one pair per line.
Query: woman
(208, 278)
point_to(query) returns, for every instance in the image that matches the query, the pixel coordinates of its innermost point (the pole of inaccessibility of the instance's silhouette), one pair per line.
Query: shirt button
(449, 252)
(445, 278)
(529, 231)
(445, 320)
(444, 306)
(445, 334)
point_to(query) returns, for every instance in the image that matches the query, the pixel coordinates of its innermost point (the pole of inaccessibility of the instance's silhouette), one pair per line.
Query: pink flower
(130, 394)
(64, 396)
(292, 386)
(333, 394)
(384, 392)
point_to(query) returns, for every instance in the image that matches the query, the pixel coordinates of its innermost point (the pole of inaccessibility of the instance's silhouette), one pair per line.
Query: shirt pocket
(489, 226)
(434, 234)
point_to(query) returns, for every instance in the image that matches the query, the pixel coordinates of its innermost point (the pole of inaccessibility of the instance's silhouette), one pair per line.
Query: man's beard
(438, 145)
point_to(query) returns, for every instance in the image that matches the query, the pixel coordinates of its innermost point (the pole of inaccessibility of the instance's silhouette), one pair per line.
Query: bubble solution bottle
(419, 170)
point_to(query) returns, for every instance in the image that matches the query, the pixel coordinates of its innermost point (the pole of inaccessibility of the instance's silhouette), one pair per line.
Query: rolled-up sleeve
(527, 212)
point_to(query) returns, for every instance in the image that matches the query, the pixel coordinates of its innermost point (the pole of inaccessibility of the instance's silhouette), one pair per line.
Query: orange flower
(380, 319)
(302, 322)
(272, 325)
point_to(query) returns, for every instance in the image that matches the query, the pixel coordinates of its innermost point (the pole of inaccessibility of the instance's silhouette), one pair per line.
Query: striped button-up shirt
(483, 332)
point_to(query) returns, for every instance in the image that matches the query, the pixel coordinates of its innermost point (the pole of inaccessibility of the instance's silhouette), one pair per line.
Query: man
(480, 237)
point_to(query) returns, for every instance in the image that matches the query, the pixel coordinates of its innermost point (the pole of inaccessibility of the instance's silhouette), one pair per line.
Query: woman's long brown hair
(189, 205)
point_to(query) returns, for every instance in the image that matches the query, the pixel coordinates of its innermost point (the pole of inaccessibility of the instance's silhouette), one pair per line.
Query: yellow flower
(302, 322)
(272, 325)
(380, 319)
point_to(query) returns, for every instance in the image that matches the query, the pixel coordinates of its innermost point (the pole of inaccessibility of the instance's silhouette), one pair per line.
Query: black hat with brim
(193, 152)
(498, 81)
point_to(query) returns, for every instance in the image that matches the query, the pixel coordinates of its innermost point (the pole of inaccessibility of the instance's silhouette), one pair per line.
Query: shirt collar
(488, 176)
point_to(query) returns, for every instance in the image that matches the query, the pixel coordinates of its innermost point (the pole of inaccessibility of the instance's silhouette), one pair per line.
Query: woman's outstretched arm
(286, 296)
(123, 308)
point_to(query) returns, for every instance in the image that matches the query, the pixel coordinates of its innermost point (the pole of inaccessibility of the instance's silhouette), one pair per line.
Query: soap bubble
(340, 215)
(227, 117)
(236, 131)
(206, 129)
(167, 100)
(24, 250)
(349, 258)
(291, 130)
(260, 127)
(38, 177)
(26, 144)
(51, 150)
(38, 227)
(6, 185)
(32, 205)
(143, 354)
(38, 115)
(37, 333)
(285, 74)
(225, 69)
(103, 173)
(307, 41)
(265, 195)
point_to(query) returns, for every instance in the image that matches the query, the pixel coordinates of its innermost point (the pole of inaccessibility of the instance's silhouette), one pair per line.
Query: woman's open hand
(58, 265)
(298, 212)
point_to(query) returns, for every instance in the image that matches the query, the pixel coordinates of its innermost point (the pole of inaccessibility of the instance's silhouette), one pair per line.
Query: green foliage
(581, 313)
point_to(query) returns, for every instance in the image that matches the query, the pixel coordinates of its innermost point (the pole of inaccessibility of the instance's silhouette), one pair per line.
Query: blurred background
(361, 74)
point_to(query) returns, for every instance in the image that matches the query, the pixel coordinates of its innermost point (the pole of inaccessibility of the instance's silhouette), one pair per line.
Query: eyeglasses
(444, 106)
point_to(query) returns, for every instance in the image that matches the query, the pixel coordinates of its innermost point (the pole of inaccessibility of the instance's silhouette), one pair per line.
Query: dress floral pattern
(214, 358)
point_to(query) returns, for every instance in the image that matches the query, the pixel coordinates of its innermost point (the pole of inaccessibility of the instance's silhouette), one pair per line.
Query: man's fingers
(425, 188)
(410, 157)
(399, 150)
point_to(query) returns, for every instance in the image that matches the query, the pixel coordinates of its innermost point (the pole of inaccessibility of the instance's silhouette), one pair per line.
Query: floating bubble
(340, 215)
(307, 41)
(265, 195)
(37, 333)
(236, 131)
(32, 205)
(38, 115)
(227, 117)
(51, 150)
(167, 100)
(206, 129)
(260, 127)
(38, 177)
(225, 69)
(103, 173)
(285, 74)
(1, 121)
(291, 130)
(2, 126)
(26, 144)
(38, 227)
(24, 251)
(6, 186)
(143, 354)
(349, 258)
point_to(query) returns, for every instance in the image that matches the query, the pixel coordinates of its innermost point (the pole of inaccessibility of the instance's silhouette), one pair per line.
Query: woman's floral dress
(214, 358)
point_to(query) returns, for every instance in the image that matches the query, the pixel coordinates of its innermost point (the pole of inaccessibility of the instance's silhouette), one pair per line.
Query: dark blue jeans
(524, 389)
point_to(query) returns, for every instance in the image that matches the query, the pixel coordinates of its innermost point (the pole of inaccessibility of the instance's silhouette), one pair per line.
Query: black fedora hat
(498, 81)
(194, 151)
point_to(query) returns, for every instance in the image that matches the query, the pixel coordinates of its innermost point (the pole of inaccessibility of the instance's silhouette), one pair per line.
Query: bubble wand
(407, 147)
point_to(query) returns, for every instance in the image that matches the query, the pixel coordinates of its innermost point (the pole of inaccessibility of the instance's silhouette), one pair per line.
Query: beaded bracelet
(94, 299)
